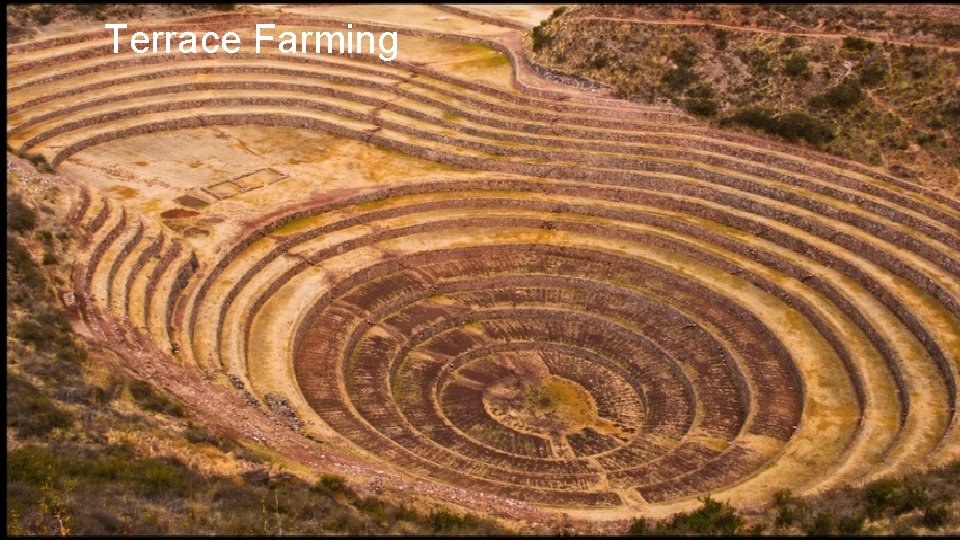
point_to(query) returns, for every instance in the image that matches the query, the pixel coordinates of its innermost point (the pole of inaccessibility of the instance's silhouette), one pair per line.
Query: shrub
(795, 126)
(712, 518)
(599, 61)
(639, 527)
(879, 496)
(893, 142)
(157, 477)
(16, 32)
(701, 107)
(796, 66)
(197, 435)
(848, 525)
(911, 498)
(20, 217)
(44, 15)
(952, 111)
(22, 264)
(44, 236)
(540, 38)
(721, 39)
(790, 509)
(49, 258)
(148, 398)
(40, 163)
(332, 484)
(31, 412)
(840, 97)
(925, 139)
(30, 332)
(856, 43)
(403, 512)
(677, 79)
(755, 117)
(372, 506)
(822, 525)
(686, 54)
(444, 521)
(873, 73)
(700, 91)
(789, 43)
(792, 126)
(87, 10)
(935, 517)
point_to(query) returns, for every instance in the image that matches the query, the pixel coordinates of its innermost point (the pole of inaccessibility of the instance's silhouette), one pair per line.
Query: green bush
(639, 527)
(721, 38)
(30, 332)
(44, 236)
(925, 139)
(797, 66)
(44, 15)
(840, 97)
(40, 163)
(540, 38)
(31, 412)
(789, 43)
(848, 525)
(935, 517)
(197, 435)
(792, 126)
(795, 126)
(22, 265)
(879, 496)
(822, 525)
(156, 477)
(756, 117)
(712, 518)
(148, 398)
(873, 73)
(20, 217)
(677, 79)
(52, 320)
(685, 56)
(893, 142)
(856, 43)
(701, 107)
(403, 512)
(911, 498)
(332, 484)
(444, 521)
(891, 495)
(372, 506)
(599, 61)
(702, 91)
(790, 509)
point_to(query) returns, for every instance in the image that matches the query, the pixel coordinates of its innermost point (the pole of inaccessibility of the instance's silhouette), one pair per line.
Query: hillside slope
(876, 85)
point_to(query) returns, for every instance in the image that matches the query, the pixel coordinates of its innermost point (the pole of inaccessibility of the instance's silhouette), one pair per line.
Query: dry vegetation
(26, 21)
(864, 84)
